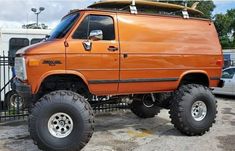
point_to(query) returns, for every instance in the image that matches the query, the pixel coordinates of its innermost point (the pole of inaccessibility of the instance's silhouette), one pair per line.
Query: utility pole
(37, 12)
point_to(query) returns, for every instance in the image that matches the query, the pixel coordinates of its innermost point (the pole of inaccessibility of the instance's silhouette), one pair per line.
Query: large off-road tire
(164, 99)
(61, 121)
(143, 107)
(193, 109)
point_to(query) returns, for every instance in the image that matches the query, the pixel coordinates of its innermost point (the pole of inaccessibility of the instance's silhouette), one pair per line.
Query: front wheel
(61, 121)
(193, 109)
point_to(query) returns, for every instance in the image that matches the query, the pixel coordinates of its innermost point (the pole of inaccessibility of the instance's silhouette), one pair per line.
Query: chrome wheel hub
(199, 110)
(147, 101)
(16, 101)
(60, 125)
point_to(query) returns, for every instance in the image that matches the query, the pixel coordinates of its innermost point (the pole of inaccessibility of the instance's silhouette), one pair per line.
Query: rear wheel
(143, 106)
(61, 121)
(193, 109)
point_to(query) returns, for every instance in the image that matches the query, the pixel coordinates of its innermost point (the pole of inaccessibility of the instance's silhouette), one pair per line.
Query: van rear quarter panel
(165, 47)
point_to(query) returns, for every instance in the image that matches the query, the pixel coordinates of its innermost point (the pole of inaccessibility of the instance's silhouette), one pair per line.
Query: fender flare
(193, 71)
(59, 72)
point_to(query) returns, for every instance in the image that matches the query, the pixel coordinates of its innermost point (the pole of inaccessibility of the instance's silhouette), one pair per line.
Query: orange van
(153, 60)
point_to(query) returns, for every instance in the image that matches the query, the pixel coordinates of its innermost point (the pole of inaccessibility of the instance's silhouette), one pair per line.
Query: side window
(228, 74)
(96, 22)
(104, 23)
(16, 44)
(35, 40)
(82, 30)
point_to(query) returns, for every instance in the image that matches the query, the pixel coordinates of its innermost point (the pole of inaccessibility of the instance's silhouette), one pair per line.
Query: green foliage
(225, 25)
(226, 42)
(206, 6)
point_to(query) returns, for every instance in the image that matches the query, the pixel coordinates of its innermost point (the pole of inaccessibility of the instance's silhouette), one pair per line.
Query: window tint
(36, 40)
(16, 44)
(64, 26)
(228, 74)
(95, 22)
(103, 23)
(82, 30)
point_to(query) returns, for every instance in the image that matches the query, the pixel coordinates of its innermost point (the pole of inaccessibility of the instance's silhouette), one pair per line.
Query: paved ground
(124, 131)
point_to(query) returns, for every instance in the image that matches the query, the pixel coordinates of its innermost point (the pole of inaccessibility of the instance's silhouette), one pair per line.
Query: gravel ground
(124, 131)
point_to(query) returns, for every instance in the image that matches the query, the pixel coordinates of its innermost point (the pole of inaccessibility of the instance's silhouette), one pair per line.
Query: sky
(15, 13)
(223, 5)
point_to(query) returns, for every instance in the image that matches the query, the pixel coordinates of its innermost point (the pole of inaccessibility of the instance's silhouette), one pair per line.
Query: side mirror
(96, 35)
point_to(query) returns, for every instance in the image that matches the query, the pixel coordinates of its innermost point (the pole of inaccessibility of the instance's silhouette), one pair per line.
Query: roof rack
(134, 10)
(136, 5)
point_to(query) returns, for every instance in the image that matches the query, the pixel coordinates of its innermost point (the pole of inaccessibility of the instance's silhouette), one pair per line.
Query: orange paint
(151, 49)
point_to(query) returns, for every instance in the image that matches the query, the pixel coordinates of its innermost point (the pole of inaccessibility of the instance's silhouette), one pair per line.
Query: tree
(225, 25)
(205, 6)
(35, 26)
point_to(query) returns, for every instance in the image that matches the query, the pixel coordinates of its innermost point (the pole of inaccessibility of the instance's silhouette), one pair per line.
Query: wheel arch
(196, 77)
(68, 73)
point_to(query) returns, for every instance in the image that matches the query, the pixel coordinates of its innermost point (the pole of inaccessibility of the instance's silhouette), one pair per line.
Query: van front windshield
(64, 26)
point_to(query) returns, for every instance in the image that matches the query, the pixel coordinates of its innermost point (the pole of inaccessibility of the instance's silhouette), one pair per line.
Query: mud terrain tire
(74, 108)
(184, 109)
(141, 110)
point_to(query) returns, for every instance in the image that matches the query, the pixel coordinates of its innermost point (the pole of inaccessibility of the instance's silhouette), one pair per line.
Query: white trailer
(12, 40)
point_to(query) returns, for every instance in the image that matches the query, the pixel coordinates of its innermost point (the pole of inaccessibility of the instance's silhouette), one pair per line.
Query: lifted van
(153, 60)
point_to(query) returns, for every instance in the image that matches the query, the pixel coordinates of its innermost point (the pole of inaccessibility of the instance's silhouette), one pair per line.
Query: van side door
(144, 63)
(97, 58)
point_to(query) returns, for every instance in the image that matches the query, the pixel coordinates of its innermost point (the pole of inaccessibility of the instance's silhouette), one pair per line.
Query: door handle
(87, 44)
(112, 48)
(125, 55)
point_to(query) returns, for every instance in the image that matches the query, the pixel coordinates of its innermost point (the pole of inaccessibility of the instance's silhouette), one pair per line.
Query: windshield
(64, 26)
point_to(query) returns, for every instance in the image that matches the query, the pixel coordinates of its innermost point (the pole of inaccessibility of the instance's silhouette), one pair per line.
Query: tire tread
(77, 99)
(177, 109)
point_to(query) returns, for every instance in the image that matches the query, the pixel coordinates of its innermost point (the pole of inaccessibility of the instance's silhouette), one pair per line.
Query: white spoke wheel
(60, 125)
(199, 110)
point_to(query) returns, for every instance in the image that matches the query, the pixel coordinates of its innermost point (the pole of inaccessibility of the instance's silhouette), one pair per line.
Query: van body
(151, 61)
(154, 53)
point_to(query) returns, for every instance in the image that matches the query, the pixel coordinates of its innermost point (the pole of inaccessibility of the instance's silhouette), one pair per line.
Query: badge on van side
(52, 62)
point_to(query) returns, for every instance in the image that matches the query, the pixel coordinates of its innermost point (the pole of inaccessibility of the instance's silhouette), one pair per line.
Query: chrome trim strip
(133, 80)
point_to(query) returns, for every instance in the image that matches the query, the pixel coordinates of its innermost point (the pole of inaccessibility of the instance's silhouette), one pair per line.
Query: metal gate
(10, 107)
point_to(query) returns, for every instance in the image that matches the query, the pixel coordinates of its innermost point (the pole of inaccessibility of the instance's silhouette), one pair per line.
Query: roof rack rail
(134, 10)
(136, 6)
